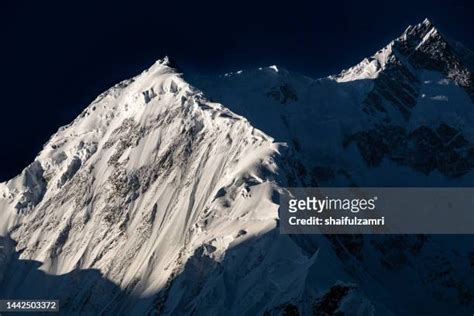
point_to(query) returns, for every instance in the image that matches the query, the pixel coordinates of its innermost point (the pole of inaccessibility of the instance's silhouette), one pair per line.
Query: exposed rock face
(424, 149)
(283, 94)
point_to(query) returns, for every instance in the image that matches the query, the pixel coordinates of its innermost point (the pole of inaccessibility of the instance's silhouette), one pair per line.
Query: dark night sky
(57, 57)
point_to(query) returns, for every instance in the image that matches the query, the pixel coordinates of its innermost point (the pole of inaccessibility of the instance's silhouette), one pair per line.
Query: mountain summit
(420, 47)
(157, 200)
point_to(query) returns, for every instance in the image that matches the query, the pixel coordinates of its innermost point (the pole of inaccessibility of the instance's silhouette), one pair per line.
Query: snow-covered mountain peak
(423, 35)
(425, 48)
(414, 37)
(151, 104)
(425, 25)
(420, 47)
(427, 21)
(165, 64)
(274, 68)
(148, 173)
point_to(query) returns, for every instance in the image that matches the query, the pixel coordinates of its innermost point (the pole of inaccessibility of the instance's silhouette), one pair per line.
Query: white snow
(274, 68)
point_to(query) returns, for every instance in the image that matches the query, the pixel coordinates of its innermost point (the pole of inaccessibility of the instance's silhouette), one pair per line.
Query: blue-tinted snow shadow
(77, 291)
(204, 286)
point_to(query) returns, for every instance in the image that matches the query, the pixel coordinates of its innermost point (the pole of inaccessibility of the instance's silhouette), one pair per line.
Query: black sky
(56, 57)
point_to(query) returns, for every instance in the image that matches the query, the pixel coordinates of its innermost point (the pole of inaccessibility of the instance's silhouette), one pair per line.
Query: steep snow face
(148, 172)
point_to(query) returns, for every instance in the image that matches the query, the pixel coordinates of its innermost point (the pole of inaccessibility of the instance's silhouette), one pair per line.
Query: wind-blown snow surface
(128, 186)
(157, 200)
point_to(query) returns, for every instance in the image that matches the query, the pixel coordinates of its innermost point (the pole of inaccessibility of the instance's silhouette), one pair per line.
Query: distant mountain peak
(425, 26)
(424, 47)
(422, 34)
(426, 21)
(420, 46)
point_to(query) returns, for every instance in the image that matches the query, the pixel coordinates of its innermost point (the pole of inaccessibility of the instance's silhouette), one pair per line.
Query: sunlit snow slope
(135, 184)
